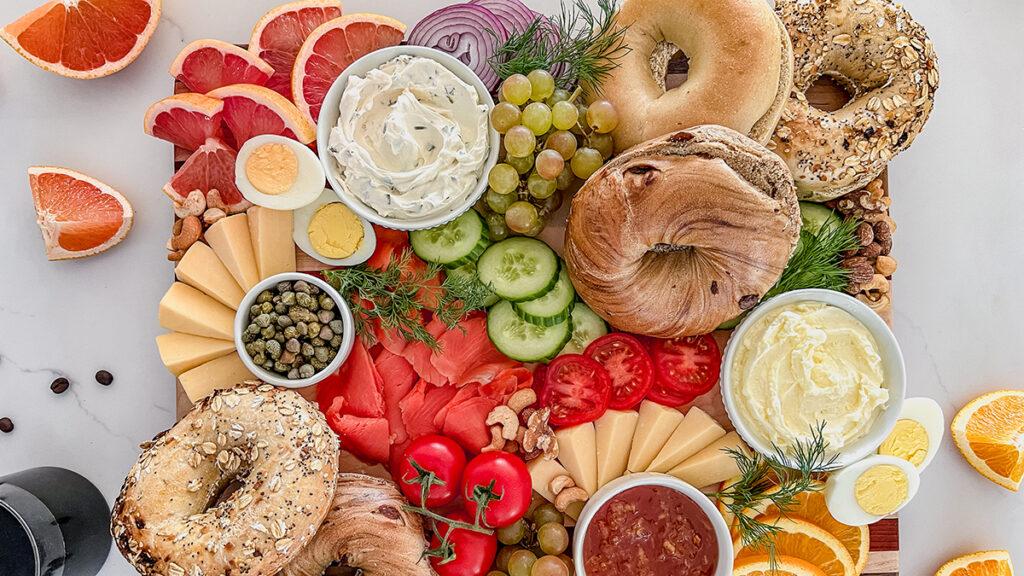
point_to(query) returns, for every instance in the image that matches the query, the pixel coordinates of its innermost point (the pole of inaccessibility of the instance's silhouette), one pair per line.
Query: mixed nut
(871, 266)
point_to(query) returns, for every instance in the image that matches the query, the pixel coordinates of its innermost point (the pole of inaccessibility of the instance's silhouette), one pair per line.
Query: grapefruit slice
(206, 65)
(251, 110)
(186, 120)
(78, 215)
(279, 34)
(331, 48)
(84, 39)
(211, 167)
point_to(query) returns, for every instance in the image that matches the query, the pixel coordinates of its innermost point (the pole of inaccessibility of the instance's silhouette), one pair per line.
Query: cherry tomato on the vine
(503, 482)
(431, 454)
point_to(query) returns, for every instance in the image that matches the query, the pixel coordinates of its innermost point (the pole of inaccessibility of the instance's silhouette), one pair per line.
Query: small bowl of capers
(293, 330)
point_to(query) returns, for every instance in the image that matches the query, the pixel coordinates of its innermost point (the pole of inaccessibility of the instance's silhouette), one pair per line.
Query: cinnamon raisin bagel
(271, 443)
(683, 232)
(740, 74)
(885, 61)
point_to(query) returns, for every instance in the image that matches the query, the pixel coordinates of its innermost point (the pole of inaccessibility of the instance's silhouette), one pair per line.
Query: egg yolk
(335, 231)
(272, 168)
(908, 440)
(880, 490)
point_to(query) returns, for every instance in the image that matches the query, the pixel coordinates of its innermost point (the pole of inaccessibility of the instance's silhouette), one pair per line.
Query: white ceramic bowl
(342, 312)
(329, 114)
(892, 365)
(609, 490)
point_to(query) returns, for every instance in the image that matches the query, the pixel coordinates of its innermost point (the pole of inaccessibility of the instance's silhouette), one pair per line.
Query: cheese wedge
(694, 433)
(712, 464)
(270, 232)
(656, 425)
(181, 352)
(614, 434)
(577, 451)
(185, 309)
(200, 268)
(542, 472)
(224, 372)
(229, 238)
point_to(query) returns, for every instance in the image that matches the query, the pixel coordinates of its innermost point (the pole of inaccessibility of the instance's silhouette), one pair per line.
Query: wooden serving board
(883, 559)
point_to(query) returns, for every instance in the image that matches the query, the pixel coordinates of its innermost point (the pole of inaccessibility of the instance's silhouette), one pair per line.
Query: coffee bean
(6, 425)
(104, 377)
(59, 386)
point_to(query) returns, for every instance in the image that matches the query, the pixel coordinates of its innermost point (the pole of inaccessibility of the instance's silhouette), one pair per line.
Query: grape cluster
(536, 545)
(548, 142)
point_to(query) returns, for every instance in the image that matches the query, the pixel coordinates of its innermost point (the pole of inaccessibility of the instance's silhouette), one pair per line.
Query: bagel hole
(226, 493)
(830, 92)
(662, 247)
(340, 568)
(677, 69)
(669, 65)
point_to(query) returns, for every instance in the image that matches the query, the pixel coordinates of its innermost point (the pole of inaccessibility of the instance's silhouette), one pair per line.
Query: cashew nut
(878, 304)
(522, 399)
(566, 497)
(876, 286)
(497, 442)
(212, 215)
(559, 483)
(885, 265)
(191, 230)
(507, 419)
(193, 205)
(175, 255)
(213, 200)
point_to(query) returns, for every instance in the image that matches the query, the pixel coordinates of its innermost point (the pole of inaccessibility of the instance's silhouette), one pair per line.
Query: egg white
(928, 414)
(309, 182)
(841, 485)
(303, 215)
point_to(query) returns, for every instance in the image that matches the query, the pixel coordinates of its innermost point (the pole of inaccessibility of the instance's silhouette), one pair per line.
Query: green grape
(512, 534)
(564, 179)
(504, 553)
(547, 513)
(549, 566)
(539, 186)
(521, 562)
(559, 95)
(551, 204)
(498, 202)
(550, 164)
(581, 113)
(568, 562)
(602, 116)
(603, 143)
(496, 228)
(522, 164)
(520, 141)
(564, 115)
(516, 89)
(553, 538)
(537, 117)
(535, 229)
(585, 162)
(503, 178)
(505, 116)
(562, 142)
(521, 216)
(542, 85)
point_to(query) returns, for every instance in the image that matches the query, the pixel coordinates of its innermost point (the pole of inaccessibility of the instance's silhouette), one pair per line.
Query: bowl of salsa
(651, 524)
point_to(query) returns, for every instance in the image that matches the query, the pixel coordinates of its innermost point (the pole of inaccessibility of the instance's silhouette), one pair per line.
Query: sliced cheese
(656, 425)
(185, 309)
(181, 352)
(694, 433)
(712, 464)
(577, 451)
(229, 238)
(224, 372)
(271, 234)
(542, 472)
(200, 268)
(614, 434)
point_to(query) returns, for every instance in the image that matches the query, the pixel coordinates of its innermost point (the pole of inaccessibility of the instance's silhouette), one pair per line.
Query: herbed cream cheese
(412, 138)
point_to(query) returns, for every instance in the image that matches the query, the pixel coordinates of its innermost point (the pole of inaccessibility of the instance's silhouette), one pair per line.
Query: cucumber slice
(551, 308)
(454, 244)
(814, 217)
(586, 327)
(523, 341)
(518, 269)
(469, 271)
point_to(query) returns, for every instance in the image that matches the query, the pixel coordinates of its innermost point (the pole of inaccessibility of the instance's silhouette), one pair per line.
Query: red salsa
(650, 531)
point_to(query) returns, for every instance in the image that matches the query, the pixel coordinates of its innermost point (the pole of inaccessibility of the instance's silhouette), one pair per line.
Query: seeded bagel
(271, 442)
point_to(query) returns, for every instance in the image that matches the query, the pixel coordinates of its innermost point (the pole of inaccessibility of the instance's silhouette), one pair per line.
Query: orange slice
(784, 566)
(279, 35)
(78, 215)
(186, 120)
(206, 65)
(989, 432)
(85, 38)
(991, 563)
(251, 110)
(331, 48)
(802, 539)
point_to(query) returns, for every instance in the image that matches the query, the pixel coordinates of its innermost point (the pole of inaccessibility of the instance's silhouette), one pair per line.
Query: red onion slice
(461, 30)
(515, 15)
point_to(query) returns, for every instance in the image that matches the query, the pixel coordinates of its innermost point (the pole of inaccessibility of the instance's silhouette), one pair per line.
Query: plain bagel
(740, 75)
(681, 233)
(274, 444)
(886, 62)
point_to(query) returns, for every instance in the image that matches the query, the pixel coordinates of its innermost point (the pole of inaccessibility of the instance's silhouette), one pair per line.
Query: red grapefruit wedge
(84, 39)
(206, 65)
(78, 215)
(251, 110)
(211, 167)
(279, 34)
(331, 48)
(186, 120)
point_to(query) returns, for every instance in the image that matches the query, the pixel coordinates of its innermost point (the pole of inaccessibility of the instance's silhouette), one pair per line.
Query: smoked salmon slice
(399, 378)
(366, 438)
(464, 347)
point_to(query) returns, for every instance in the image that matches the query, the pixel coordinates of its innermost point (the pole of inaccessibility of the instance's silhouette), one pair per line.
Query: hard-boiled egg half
(278, 173)
(871, 489)
(917, 434)
(331, 232)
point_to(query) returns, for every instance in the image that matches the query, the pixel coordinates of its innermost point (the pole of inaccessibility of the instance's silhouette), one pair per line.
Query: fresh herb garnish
(817, 261)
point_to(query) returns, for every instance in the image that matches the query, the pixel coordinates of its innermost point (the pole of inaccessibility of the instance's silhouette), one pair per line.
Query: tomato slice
(628, 364)
(577, 389)
(684, 368)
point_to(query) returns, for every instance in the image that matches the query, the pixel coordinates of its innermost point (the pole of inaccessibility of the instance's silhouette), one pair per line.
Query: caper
(284, 321)
(324, 315)
(321, 353)
(279, 337)
(293, 374)
(307, 349)
(252, 328)
(259, 346)
(263, 320)
(259, 358)
(317, 364)
(268, 332)
(274, 349)
(337, 326)
(301, 286)
(326, 302)
(304, 300)
(336, 342)
(284, 286)
(255, 310)
(317, 341)
(288, 298)
(292, 345)
(306, 371)
(313, 329)
(326, 333)
(264, 296)
(280, 308)
(247, 336)
(314, 290)
(281, 367)
(302, 327)
(291, 332)
(266, 308)
(268, 365)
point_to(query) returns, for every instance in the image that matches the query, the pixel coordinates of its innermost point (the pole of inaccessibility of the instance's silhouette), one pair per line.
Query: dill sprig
(393, 296)
(817, 261)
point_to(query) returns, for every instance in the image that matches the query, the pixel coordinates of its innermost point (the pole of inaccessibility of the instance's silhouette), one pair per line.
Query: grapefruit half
(211, 167)
(251, 110)
(279, 34)
(206, 65)
(186, 120)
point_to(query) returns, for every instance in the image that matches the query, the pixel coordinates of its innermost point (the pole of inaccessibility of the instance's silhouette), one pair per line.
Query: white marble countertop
(957, 195)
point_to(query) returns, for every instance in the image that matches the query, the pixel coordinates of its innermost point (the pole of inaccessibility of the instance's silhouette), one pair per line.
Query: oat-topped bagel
(270, 441)
(885, 61)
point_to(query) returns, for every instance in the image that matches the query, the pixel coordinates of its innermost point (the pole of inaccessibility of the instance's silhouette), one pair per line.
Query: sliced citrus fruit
(806, 541)
(84, 38)
(784, 566)
(331, 48)
(989, 432)
(78, 215)
(279, 34)
(206, 65)
(251, 110)
(990, 563)
(211, 167)
(186, 120)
